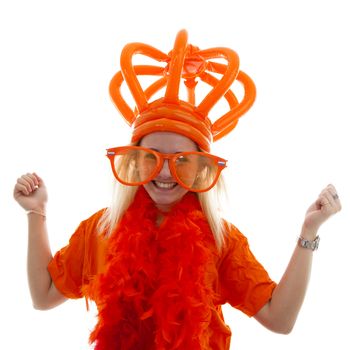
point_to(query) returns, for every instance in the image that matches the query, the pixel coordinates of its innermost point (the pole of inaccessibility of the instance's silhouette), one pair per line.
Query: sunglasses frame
(160, 157)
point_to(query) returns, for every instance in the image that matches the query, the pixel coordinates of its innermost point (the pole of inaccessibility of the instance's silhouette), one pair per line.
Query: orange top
(242, 281)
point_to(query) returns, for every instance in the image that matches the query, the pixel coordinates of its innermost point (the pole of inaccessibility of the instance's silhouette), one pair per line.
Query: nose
(165, 172)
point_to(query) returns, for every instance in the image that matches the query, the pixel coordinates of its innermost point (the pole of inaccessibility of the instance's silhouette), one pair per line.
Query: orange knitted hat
(187, 64)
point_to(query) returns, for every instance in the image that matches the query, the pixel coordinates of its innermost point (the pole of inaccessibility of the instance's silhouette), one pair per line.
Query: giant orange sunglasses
(136, 165)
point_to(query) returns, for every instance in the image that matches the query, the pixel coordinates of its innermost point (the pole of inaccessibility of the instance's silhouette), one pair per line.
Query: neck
(164, 209)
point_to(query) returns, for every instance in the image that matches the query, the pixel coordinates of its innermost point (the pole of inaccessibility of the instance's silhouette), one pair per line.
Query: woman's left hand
(327, 204)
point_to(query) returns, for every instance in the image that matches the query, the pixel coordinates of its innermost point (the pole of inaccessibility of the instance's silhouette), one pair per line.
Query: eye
(150, 156)
(182, 159)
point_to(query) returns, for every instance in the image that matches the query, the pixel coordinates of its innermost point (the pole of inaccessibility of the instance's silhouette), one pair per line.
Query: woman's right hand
(30, 192)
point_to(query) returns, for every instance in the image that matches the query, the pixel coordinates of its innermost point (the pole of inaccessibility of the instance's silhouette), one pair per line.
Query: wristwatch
(313, 245)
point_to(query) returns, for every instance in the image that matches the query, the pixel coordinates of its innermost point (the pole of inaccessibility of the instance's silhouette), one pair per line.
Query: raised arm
(30, 192)
(280, 314)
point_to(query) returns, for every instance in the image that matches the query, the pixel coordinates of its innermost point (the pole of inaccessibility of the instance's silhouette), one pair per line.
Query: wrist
(41, 211)
(308, 233)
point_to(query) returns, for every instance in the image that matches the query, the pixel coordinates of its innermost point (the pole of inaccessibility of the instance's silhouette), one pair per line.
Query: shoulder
(232, 235)
(235, 242)
(88, 228)
(93, 220)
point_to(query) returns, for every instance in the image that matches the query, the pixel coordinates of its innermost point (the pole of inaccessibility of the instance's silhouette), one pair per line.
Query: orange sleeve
(66, 267)
(244, 283)
(74, 266)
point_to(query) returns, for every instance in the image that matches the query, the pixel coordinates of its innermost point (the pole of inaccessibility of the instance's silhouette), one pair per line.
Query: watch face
(313, 245)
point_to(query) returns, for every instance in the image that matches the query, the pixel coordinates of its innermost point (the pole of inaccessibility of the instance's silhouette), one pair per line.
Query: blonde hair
(212, 203)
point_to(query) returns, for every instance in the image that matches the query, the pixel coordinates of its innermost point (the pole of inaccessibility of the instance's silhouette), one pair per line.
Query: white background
(57, 58)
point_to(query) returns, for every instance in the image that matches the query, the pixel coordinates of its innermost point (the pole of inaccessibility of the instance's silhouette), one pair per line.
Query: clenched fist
(30, 192)
(327, 204)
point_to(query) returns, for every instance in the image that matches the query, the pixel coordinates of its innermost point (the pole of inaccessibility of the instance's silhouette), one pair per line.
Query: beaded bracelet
(36, 212)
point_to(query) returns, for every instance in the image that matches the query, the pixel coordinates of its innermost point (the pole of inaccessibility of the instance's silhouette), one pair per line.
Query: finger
(327, 203)
(39, 180)
(35, 179)
(335, 197)
(333, 191)
(31, 180)
(27, 182)
(331, 186)
(21, 188)
(329, 197)
(322, 202)
(23, 183)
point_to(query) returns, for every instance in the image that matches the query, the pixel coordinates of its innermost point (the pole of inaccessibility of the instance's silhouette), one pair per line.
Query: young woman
(160, 261)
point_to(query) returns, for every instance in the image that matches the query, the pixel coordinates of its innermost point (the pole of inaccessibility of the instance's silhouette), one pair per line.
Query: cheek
(181, 191)
(187, 174)
(145, 169)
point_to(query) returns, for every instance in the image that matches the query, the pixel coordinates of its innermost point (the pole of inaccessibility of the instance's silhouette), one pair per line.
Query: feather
(153, 294)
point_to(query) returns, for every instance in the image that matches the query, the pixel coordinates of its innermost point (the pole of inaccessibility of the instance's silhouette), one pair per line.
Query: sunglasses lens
(195, 171)
(135, 166)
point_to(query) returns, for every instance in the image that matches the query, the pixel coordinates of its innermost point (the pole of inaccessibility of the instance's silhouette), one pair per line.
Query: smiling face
(164, 190)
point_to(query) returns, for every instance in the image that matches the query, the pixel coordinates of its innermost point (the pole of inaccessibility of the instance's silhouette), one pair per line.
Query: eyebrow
(155, 149)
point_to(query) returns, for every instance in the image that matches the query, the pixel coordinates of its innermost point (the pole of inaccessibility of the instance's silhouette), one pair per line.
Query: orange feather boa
(153, 293)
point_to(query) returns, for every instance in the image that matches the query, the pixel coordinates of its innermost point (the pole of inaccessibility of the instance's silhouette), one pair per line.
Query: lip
(164, 189)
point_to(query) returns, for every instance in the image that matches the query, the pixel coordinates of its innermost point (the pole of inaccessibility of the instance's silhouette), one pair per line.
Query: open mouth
(164, 185)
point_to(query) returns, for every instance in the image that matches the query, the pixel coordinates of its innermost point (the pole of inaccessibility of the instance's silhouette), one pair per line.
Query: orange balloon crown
(188, 64)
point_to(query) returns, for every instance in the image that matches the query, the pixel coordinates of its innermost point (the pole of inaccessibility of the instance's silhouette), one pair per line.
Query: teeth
(165, 184)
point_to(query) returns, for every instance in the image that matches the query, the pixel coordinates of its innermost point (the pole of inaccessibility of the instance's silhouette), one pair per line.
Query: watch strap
(313, 245)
